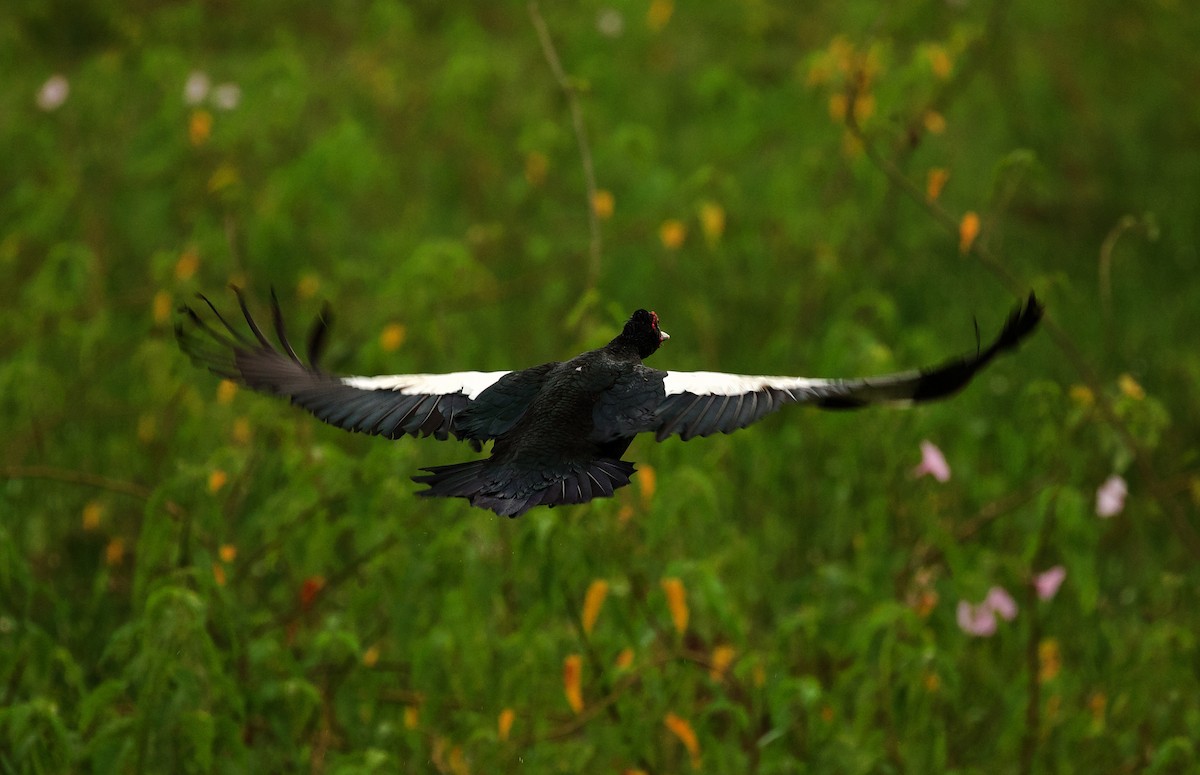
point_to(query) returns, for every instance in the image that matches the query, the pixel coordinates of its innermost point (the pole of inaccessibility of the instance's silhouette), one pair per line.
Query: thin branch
(85, 479)
(987, 514)
(581, 139)
(1033, 693)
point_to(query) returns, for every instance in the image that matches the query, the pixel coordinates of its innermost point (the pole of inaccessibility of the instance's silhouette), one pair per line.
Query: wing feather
(701, 403)
(391, 406)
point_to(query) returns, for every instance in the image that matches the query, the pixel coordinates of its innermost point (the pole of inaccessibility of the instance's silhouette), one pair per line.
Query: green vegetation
(195, 579)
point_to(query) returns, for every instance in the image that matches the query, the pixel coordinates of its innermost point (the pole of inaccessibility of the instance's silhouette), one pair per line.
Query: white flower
(610, 22)
(53, 93)
(1110, 497)
(196, 88)
(227, 96)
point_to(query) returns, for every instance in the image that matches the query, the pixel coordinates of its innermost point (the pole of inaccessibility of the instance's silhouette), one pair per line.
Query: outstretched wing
(701, 403)
(390, 406)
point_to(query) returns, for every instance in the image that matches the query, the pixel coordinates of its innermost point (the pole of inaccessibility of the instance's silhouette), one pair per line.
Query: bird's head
(642, 333)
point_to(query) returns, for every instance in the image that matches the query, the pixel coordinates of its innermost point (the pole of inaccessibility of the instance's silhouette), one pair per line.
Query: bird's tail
(489, 484)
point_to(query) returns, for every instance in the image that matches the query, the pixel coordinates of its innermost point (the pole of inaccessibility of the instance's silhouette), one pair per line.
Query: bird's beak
(663, 336)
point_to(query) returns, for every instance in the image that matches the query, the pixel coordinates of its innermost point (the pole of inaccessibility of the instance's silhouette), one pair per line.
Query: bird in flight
(558, 430)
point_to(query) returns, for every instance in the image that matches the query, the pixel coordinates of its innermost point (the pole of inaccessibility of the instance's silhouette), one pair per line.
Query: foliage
(194, 579)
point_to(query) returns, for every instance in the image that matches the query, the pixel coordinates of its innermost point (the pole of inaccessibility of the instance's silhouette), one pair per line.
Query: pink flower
(933, 462)
(1110, 497)
(1002, 603)
(1047, 582)
(53, 93)
(978, 620)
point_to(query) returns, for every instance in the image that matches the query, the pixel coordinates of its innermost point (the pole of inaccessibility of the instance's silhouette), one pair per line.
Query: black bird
(558, 429)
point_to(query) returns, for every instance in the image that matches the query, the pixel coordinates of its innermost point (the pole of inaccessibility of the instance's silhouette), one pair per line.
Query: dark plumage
(559, 429)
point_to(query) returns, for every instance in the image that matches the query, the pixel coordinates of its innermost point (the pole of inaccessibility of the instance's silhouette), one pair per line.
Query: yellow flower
(217, 480)
(1053, 707)
(968, 230)
(839, 103)
(939, 61)
(864, 106)
(603, 204)
(370, 657)
(226, 390)
(199, 127)
(114, 552)
(536, 167)
(147, 428)
(935, 123)
(162, 307)
(647, 483)
(659, 14)
(935, 181)
(1082, 395)
(218, 572)
(837, 106)
(722, 658)
(241, 431)
(924, 602)
(227, 552)
(593, 601)
(573, 681)
(392, 337)
(504, 723)
(676, 602)
(712, 221)
(625, 659)
(307, 286)
(93, 512)
(818, 73)
(1130, 387)
(672, 233)
(222, 178)
(188, 263)
(1049, 660)
(458, 761)
(841, 52)
(683, 730)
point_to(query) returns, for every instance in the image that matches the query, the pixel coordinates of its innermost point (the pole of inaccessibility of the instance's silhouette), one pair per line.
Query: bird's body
(558, 429)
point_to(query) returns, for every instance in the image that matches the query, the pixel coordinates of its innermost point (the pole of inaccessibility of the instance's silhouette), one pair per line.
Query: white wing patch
(470, 383)
(715, 383)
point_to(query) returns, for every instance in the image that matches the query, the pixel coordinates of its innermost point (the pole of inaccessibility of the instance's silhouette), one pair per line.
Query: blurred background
(197, 579)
